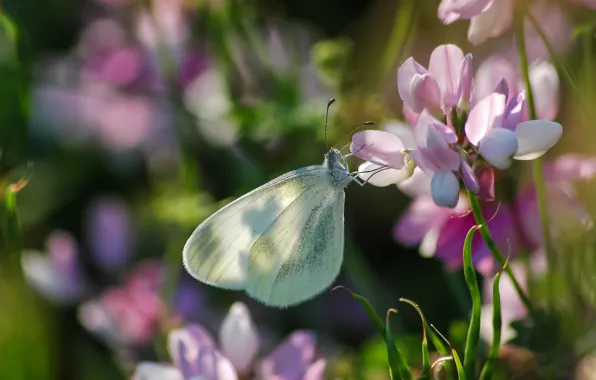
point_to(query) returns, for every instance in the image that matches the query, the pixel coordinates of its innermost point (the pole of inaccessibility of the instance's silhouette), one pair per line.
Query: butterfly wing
(217, 252)
(301, 252)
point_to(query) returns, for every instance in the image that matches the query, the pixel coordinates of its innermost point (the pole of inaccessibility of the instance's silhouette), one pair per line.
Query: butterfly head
(337, 166)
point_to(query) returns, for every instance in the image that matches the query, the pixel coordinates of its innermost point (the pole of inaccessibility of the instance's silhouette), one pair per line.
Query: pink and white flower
(195, 354)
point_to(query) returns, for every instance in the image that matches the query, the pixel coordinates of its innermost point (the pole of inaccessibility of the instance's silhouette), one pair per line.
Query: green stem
(537, 168)
(474, 328)
(492, 246)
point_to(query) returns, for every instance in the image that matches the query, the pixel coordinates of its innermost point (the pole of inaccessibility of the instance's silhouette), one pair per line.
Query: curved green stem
(492, 246)
(537, 169)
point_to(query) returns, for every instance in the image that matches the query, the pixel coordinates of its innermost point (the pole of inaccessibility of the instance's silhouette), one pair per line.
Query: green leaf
(474, 327)
(426, 371)
(461, 374)
(489, 366)
(398, 367)
(372, 314)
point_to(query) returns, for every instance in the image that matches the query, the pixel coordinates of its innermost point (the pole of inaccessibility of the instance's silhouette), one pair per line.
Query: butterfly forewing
(217, 251)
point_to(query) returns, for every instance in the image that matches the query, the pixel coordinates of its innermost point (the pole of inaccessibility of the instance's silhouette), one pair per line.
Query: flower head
(195, 354)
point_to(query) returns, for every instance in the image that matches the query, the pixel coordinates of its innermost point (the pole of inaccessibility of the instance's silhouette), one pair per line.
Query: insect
(283, 242)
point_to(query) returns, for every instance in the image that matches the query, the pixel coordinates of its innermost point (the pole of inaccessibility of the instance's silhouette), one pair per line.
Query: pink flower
(127, 315)
(440, 232)
(493, 127)
(195, 354)
(543, 77)
(446, 83)
(56, 274)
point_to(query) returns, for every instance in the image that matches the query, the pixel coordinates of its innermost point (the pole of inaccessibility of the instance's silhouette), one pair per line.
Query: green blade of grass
(489, 366)
(426, 371)
(461, 374)
(474, 328)
(372, 314)
(398, 367)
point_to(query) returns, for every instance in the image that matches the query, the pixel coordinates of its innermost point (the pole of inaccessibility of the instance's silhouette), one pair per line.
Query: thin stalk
(492, 246)
(474, 328)
(537, 168)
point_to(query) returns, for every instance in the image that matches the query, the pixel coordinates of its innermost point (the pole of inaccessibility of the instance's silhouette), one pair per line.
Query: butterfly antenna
(331, 101)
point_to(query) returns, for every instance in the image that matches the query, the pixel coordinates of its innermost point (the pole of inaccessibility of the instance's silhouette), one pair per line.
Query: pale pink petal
(516, 111)
(444, 66)
(402, 131)
(498, 146)
(535, 137)
(486, 114)
(379, 147)
(291, 358)
(570, 167)
(585, 3)
(405, 74)
(464, 93)
(425, 92)
(155, 371)
(469, 177)
(410, 116)
(452, 10)
(444, 188)
(417, 185)
(492, 22)
(388, 176)
(315, 371)
(238, 337)
(424, 120)
(420, 217)
(555, 25)
(545, 84)
(494, 74)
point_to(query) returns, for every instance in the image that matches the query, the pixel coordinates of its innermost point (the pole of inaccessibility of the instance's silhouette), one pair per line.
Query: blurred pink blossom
(491, 18)
(127, 315)
(543, 77)
(440, 232)
(195, 354)
(56, 273)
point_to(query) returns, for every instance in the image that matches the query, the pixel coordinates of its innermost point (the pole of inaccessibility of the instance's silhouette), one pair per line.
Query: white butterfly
(283, 242)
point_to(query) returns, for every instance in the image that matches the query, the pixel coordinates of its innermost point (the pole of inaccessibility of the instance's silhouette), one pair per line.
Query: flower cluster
(457, 136)
(196, 355)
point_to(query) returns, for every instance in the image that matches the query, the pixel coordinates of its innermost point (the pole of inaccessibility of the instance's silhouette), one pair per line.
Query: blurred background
(133, 120)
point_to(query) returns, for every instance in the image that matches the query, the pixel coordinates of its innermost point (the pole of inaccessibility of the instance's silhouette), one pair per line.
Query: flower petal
(470, 180)
(402, 131)
(316, 370)
(466, 73)
(417, 185)
(238, 337)
(420, 217)
(426, 119)
(155, 371)
(516, 111)
(425, 92)
(291, 358)
(444, 66)
(185, 346)
(444, 187)
(452, 10)
(496, 74)
(535, 137)
(405, 75)
(486, 179)
(492, 22)
(498, 146)
(570, 167)
(377, 176)
(379, 147)
(486, 114)
(545, 84)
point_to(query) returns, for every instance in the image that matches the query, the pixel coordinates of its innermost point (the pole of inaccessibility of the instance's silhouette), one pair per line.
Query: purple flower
(195, 354)
(56, 274)
(109, 232)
